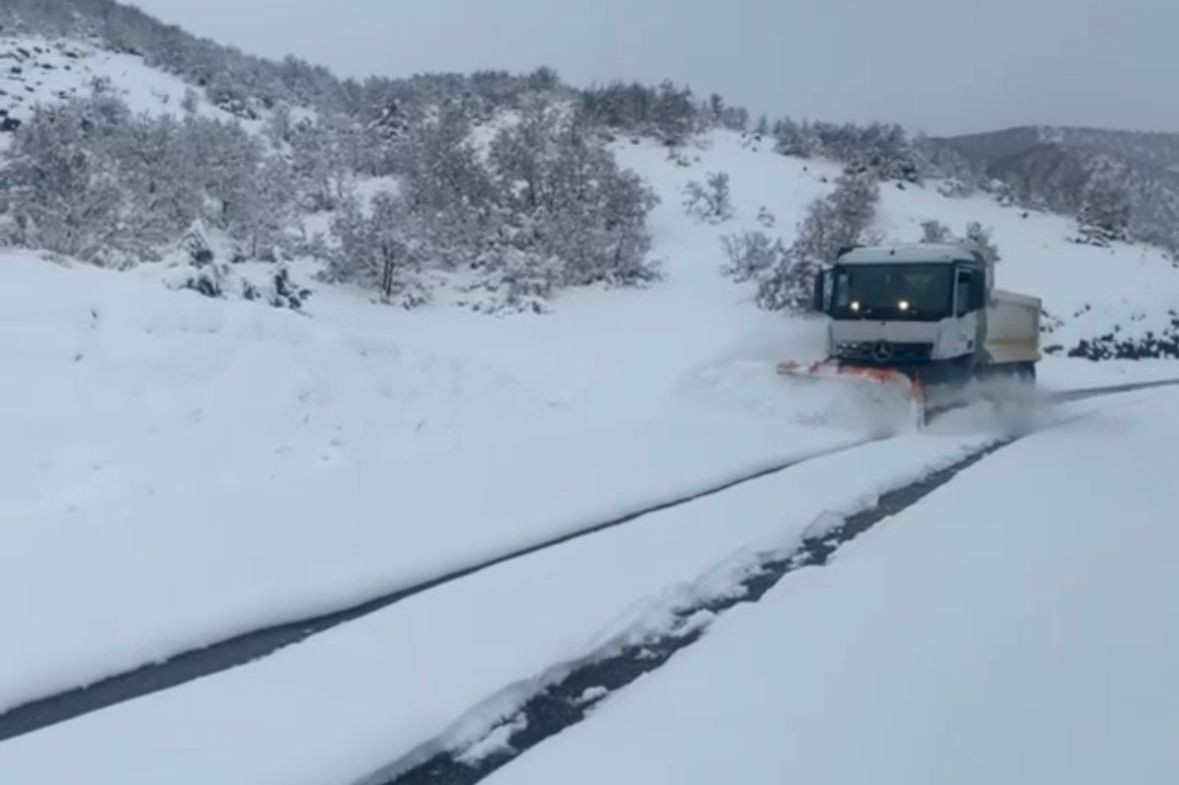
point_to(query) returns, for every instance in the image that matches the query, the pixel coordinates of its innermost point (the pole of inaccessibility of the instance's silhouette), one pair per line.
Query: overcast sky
(944, 66)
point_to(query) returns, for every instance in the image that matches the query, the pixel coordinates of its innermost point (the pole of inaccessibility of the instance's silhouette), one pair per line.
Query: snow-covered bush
(794, 139)
(751, 255)
(676, 155)
(519, 281)
(934, 231)
(201, 271)
(1112, 346)
(953, 188)
(981, 237)
(711, 202)
(720, 115)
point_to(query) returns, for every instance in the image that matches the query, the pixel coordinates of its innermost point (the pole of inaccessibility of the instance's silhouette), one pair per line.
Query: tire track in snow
(566, 702)
(260, 643)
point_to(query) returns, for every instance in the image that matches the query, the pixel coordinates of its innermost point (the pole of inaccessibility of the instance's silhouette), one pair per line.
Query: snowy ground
(181, 469)
(369, 693)
(36, 70)
(166, 439)
(1024, 636)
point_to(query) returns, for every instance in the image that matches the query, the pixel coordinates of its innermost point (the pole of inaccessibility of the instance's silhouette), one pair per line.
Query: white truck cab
(929, 310)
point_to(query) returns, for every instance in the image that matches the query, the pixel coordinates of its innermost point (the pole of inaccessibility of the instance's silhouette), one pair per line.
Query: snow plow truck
(925, 319)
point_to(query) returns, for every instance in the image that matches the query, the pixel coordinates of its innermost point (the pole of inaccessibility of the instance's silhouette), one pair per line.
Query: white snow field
(450, 661)
(181, 469)
(1017, 626)
(178, 470)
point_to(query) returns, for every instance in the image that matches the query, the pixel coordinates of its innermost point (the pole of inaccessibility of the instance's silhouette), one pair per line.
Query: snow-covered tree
(832, 223)
(711, 202)
(262, 224)
(666, 111)
(88, 179)
(61, 183)
(157, 174)
(567, 198)
(450, 189)
(378, 245)
(1105, 211)
(794, 139)
(320, 165)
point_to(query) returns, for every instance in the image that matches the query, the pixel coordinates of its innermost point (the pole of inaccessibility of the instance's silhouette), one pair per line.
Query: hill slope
(1053, 166)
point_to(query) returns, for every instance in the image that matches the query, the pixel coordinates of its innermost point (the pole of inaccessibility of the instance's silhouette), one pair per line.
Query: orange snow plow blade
(898, 384)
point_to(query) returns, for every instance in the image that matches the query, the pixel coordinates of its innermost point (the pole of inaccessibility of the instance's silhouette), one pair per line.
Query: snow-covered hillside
(36, 70)
(182, 469)
(1087, 291)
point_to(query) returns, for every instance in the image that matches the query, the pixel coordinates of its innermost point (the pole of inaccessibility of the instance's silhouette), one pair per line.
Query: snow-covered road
(358, 697)
(1017, 626)
(441, 668)
(251, 645)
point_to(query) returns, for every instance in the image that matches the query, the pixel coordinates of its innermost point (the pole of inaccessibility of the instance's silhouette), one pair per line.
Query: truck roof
(909, 253)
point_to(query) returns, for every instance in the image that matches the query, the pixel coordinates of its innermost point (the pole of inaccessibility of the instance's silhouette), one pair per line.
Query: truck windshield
(917, 292)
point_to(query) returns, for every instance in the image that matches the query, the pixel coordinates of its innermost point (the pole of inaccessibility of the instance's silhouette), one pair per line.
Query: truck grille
(885, 352)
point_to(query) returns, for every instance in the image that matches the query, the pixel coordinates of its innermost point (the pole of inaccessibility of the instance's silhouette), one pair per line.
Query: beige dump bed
(1013, 328)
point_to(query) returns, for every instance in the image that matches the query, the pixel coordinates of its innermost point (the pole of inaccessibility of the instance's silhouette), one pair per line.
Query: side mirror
(819, 296)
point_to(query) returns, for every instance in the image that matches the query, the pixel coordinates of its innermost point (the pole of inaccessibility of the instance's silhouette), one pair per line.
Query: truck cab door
(960, 333)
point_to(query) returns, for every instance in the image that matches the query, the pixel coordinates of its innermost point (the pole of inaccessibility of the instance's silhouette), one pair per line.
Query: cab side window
(962, 292)
(843, 290)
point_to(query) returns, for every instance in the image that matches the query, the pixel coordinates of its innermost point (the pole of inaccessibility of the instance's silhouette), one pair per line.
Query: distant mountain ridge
(1151, 148)
(1051, 167)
